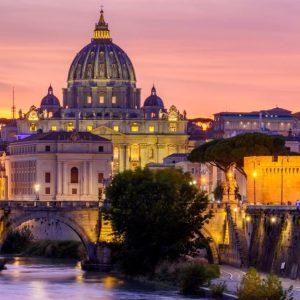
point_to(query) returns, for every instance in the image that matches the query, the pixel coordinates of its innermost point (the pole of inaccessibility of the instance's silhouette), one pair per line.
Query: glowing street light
(273, 220)
(37, 191)
(235, 211)
(248, 219)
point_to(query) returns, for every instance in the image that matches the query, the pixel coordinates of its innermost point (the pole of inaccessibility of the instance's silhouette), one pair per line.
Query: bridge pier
(99, 258)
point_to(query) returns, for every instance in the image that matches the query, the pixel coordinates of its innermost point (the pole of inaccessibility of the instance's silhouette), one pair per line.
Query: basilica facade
(102, 98)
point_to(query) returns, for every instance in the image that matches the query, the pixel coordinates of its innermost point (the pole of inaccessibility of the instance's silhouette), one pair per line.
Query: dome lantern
(101, 31)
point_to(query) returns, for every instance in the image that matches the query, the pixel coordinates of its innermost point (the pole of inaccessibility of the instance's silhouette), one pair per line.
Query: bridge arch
(16, 221)
(213, 248)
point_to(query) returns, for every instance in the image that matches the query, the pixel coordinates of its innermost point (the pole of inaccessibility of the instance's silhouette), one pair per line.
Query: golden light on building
(254, 174)
(248, 218)
(273, 220)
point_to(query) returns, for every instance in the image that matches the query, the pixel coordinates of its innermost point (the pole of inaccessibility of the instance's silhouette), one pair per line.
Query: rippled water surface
(43, 279)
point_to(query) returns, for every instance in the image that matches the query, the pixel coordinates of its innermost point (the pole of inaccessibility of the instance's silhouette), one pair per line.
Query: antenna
(13, 109)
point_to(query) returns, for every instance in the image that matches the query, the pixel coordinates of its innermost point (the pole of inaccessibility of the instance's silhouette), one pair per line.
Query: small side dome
(153, 100)
(50, 100)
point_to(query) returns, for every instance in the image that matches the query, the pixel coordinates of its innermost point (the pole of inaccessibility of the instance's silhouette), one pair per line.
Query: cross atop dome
(153, 91)
(50, 90)
(101, 31)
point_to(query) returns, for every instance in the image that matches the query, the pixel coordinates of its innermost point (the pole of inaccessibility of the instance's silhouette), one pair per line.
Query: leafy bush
(253, 287)
(218, 289)
(193, 275)
(56, 249)
(17, 240)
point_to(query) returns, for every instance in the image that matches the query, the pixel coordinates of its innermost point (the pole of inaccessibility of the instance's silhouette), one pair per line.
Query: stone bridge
(84, 218)
(265, 237)
(226, 230)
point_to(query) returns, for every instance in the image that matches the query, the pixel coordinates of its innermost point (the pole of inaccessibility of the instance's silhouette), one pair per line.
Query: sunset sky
(204, 56)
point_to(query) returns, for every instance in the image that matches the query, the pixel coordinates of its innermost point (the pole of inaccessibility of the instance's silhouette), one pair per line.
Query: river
(45, 279)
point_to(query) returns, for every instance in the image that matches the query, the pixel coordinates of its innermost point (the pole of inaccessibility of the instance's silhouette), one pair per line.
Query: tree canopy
(155, 215)
(224, 152)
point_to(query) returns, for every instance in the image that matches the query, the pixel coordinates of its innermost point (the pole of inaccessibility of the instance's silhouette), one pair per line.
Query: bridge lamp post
(254, 186)
(235, 211)
(37, 191)
(203, 183)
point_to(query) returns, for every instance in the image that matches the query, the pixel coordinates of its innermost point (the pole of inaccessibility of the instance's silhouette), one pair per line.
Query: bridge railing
(49, 204)
(272, 207)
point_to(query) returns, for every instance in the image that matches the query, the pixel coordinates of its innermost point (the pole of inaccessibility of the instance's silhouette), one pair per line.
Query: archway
(89, 246)
(212, 249)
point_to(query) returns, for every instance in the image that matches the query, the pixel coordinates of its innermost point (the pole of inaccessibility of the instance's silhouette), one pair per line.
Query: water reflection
(45, 279)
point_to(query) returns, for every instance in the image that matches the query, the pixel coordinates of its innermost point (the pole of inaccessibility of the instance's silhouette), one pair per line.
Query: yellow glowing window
(172, 127)
(114, 99)
(33, 127)
(89, 128)
(151, 128)
(89, 99)
(116, 128)
(53, 128)
(135, 128)
(70, 126)
(101, 99)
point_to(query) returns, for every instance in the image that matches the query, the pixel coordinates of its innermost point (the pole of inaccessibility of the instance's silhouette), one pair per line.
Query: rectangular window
(100, 149)
(172, 127)
(89, 100)
(70, 126)
(47, 191)
(100, 177)
(135, 128)
(47, 148)
(89, 128)
(151, 128)
(101, 99)
(116, 128)
(53, 128)
(33, 127)
(47, 177)
(74, 191)
(114, 99)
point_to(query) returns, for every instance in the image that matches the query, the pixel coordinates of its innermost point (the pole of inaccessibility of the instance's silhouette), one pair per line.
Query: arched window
(74, 175)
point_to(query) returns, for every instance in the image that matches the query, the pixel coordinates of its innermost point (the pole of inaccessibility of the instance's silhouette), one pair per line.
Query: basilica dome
(153, 100)
(101, 60)
(50, 100)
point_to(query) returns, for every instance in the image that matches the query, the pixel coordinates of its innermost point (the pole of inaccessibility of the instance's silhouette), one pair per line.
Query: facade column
(161, 152)
(143, 155)
(126, 158)
(122, 156)
(59, 179)
(84, 178)
(65, 179)
(90, 179)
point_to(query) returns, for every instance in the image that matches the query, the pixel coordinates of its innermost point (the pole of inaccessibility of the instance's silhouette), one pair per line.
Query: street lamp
(254, 186)
(235, 211)
(203, 180)
(37, 190)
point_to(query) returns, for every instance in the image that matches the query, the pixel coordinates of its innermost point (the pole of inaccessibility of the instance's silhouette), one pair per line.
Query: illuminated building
(272, 179)
(273, 121)
(102, 98)
(57, 166)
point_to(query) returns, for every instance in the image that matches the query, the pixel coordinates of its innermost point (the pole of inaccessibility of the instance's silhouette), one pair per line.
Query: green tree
(156, 215)
(223, 153)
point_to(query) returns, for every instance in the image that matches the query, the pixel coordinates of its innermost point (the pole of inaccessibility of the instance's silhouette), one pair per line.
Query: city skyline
(203, 57)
